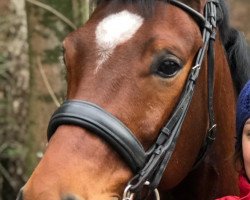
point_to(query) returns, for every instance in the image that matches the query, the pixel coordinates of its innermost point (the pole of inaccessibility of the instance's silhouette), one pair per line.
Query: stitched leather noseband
(149, 166)
(97, 120)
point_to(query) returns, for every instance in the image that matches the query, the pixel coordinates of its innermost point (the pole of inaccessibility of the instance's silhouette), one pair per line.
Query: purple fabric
(243, 110)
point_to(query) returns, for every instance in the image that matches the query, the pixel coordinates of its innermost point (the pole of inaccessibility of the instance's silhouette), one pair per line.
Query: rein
(149, 166)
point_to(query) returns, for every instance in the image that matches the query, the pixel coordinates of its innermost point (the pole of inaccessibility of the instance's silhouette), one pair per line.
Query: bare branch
(46, 82)
(53, 11)
(7, 176)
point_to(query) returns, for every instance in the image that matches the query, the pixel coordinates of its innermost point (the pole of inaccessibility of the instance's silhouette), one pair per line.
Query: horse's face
(135, 68)
(131, 66)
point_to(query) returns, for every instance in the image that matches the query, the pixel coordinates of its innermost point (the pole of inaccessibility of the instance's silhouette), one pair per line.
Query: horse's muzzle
(70, 197)
(67, 197)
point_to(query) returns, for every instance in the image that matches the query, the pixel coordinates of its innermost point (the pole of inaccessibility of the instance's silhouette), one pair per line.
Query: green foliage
(3, 67)
(13, 151)
(64, 7)
(52, 55)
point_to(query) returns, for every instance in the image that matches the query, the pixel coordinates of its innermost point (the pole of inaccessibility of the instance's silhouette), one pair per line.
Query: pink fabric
(229, 198)
(244, 186)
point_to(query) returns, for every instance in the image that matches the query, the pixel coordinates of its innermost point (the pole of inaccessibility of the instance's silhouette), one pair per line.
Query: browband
(92, 117)
(199, 18)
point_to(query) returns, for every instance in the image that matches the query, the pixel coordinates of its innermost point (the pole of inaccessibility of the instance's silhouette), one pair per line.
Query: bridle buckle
(128, 195)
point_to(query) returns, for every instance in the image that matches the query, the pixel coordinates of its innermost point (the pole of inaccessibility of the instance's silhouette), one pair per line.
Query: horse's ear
(196, 4)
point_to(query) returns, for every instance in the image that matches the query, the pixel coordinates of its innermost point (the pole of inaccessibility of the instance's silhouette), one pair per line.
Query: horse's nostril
(70, 197)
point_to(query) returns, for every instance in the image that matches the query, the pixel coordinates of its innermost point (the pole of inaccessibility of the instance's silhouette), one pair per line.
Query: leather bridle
(148, 166)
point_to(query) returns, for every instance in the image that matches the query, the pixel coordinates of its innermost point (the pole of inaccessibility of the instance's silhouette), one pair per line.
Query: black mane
(233, 40)
(237, 50)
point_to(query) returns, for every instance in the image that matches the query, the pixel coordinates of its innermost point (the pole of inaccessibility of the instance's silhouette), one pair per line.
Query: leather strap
(167, 139)
(211, 133)
(199, 18)
(92, 117)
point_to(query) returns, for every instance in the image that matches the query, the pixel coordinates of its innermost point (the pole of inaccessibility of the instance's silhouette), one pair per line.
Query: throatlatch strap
(211, 133)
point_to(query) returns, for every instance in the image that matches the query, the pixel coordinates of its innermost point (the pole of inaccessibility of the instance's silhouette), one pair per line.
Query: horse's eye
(166, 64)
(168, 68)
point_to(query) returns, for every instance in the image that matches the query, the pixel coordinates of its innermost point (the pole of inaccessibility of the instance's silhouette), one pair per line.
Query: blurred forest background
(32, 82)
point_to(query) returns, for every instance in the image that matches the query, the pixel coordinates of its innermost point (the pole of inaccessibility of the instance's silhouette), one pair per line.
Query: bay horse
(128, 129)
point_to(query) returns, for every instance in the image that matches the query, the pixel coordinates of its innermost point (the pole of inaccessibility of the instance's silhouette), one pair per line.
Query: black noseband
(92, 117)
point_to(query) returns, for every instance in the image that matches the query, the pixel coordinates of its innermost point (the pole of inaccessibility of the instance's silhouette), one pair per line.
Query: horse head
(127, 74)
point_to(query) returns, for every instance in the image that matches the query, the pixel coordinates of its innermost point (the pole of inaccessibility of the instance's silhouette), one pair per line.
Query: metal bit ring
(127, 195)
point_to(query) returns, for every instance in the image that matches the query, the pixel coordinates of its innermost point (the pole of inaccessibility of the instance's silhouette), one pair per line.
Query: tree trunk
(46, 32)
(14, 85)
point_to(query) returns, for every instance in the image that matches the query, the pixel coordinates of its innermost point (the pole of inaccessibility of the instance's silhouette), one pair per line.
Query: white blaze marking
(114, 30)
